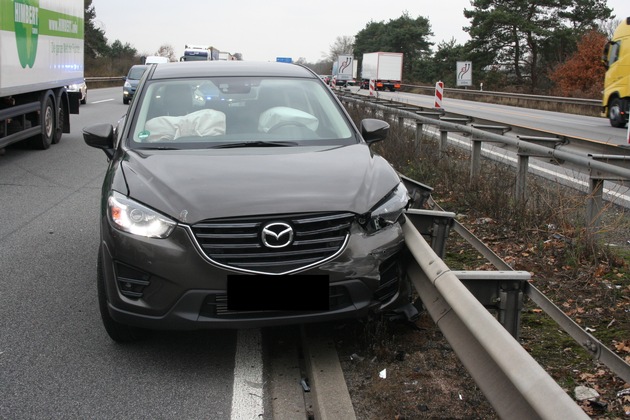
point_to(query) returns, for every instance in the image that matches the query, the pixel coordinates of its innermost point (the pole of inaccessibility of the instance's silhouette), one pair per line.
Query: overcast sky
(266, 29)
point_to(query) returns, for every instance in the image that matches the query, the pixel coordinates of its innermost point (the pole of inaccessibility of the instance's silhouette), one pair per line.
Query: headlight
(129, 216)
(127, 85)
(388, 211)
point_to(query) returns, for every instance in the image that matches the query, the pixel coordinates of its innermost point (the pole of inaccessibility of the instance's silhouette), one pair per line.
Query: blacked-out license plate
(277, 293)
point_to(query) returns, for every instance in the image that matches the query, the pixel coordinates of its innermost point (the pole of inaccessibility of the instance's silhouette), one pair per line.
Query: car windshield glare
(136, 72)
(214, 112)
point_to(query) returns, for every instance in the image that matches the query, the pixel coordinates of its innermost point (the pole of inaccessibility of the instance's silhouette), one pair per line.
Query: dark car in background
(240, 195)
(131, 81)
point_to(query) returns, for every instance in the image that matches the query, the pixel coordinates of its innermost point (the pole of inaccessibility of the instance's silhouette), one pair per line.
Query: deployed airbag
(205, 122)
(281, 115)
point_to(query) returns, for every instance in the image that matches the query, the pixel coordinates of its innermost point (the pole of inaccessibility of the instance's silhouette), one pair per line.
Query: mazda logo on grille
(277, 235)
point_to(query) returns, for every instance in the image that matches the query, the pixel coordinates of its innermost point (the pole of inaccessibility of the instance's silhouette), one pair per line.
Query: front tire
(118, 332)
(614, 113)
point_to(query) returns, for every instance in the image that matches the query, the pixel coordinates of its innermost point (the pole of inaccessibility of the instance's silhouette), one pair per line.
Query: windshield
(135, 73)
(238, 112)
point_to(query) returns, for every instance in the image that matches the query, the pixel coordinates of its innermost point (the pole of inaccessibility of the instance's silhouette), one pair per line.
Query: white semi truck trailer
(41, 52)
(384, 68)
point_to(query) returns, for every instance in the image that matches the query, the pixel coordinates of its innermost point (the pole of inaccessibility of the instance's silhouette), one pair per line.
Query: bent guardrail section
(514, 383)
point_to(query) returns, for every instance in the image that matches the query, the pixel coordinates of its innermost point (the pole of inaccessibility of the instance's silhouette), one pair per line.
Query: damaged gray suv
(242, 195)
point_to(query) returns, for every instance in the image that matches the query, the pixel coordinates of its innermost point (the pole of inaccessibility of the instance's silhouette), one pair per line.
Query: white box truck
(343, 70)
(385, 68)
(41, 52)
(155, 59)
(199, 53)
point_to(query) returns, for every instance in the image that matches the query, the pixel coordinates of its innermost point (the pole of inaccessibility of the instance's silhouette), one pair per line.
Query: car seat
(177, 100)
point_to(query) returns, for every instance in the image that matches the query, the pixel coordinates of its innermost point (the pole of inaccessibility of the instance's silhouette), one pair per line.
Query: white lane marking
(104, 100)
(247, 394)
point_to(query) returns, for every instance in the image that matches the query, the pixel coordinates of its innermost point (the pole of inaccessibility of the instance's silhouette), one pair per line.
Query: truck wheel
(59, 123)
(614, 114)
(47, 123)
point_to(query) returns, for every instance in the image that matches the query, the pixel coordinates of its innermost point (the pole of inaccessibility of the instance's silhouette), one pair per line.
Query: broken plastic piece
(305, 386)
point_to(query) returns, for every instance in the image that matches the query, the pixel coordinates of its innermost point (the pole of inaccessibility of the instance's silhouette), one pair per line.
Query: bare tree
(608, 26)
(166, 50)
(342, 45)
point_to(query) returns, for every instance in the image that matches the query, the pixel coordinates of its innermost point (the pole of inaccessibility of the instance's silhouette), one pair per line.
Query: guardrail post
(444, 131)
(401, 118)
(523, 162)
(594, 204)
(477, 141)
(595, 201)
(510, 307)
(419, 128)
(401, 121)
(500, 291)
(434, 225)
(521, 177)
(420, 125)
(443, 142)
(475, 158)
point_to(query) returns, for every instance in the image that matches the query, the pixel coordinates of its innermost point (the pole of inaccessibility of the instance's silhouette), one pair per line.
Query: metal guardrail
(593, 346)
(539, 98)
(104, 79)
(616, 166)
(514, 383)
(599, 169)
(581, 106)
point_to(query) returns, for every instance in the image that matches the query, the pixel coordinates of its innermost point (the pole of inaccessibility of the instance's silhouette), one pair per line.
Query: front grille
(237, 242)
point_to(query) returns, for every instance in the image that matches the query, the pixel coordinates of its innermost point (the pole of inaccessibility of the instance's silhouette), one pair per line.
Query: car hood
(193, 185)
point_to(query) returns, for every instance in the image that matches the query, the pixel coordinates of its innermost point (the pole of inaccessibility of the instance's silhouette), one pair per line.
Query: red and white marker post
(439, 93)
(372, 87)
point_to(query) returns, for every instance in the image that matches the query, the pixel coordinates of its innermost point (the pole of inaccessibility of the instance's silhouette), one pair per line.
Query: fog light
(131, 282)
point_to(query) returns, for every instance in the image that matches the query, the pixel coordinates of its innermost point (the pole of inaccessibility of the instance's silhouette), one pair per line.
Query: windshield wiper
(256, 143)
(157, 148)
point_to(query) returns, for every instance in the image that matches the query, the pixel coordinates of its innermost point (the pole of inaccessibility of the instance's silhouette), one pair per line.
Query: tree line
(534, 46)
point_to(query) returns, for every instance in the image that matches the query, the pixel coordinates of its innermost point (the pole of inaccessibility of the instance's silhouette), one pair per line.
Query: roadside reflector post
(439, 93)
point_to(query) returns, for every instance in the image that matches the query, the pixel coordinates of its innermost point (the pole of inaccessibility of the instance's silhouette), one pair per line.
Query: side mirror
(374, 130)
(100, 136)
